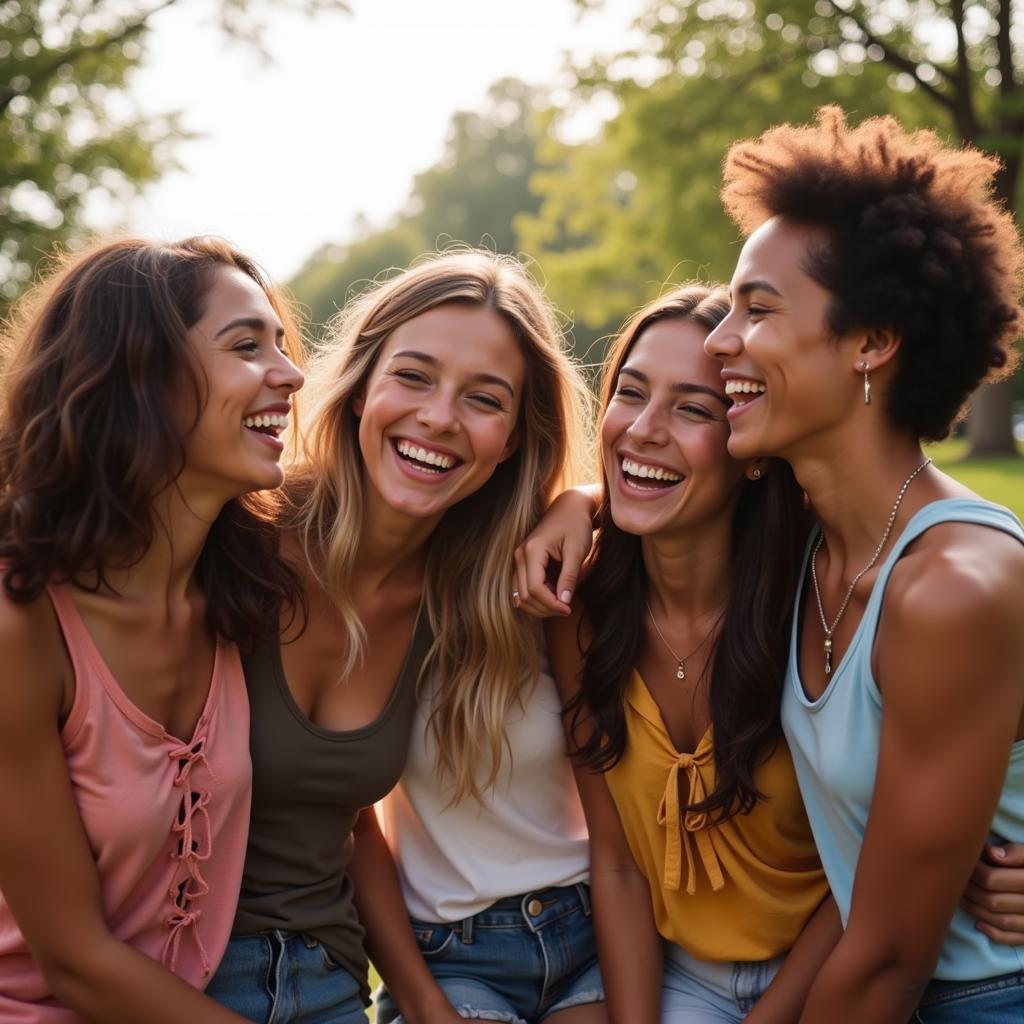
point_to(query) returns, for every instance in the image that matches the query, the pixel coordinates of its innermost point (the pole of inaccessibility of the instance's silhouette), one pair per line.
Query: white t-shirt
(454, 861)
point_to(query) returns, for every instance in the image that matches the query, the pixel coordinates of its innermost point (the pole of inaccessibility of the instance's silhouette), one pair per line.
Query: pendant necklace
(829, 630)
(680, 662)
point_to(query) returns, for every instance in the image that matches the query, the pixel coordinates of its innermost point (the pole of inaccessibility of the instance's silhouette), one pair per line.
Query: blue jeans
(697, 992)
(284, 978)
(997, 1000)
(519, 961)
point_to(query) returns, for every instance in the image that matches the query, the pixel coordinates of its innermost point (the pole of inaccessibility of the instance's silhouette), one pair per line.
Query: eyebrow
(254, 323)
(758, 286)
(484, 378)
(683, 387)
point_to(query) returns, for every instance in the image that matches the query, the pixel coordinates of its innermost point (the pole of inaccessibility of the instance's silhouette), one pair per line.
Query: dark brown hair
(748, 658)
(914, 242)
(98, 371)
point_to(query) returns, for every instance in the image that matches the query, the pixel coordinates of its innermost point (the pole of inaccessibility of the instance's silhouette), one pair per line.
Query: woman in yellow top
(672, 666)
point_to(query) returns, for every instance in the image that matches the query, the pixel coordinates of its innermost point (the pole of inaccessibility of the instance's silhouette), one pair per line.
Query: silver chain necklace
(680, 662)
(829, 630)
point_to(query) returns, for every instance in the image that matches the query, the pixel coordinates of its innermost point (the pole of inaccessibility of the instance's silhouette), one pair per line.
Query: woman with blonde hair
(443, 419)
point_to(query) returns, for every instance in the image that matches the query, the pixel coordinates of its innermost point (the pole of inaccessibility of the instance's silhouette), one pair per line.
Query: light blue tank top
(834, 741)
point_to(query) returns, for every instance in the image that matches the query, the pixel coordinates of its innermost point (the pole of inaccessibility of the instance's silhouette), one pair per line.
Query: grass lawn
(999, 480)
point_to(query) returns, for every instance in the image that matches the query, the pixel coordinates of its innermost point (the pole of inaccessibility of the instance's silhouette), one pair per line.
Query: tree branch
(72, 56)
(967, 121)
(892, 56)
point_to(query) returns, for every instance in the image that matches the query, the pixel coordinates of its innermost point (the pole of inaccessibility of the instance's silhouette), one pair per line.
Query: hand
(995, 894)
(548, 562)
(437, 1011)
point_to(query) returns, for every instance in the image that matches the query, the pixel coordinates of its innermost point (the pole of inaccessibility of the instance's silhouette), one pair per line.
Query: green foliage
(69, 135)
(471, 196)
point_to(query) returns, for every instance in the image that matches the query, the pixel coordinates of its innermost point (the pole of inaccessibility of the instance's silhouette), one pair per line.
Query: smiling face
(788, 377)
(664, 434)
(235, 446)
(439, 410)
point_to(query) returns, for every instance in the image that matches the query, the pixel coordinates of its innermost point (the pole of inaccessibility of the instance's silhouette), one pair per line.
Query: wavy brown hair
(98, 373)
(748, 655)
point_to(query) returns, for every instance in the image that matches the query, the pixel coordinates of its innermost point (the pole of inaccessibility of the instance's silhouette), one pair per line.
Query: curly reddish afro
(915, 242)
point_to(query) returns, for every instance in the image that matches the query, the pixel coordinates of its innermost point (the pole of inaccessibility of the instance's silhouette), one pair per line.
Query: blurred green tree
(68, 133)
(619, 211)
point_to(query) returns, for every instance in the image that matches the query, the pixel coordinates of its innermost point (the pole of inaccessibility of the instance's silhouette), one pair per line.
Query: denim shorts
(518, 961)
(997, 1000)
(285, 978)
(698, 992)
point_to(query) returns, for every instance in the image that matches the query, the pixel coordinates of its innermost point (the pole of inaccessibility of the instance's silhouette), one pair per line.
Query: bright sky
(350, 110)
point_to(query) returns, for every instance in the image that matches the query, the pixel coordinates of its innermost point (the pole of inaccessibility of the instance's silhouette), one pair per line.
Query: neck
(391, 544)
(853, 482)
(688, 572)
(165, 574)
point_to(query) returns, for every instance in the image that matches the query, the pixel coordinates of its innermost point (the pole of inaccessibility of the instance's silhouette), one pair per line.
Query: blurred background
(335, 139)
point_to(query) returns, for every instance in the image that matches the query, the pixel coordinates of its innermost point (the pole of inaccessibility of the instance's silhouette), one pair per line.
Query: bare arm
(47, 872)
(784, 998)
(562, 540)
(628, 944)
(952, 711)
(390, 942)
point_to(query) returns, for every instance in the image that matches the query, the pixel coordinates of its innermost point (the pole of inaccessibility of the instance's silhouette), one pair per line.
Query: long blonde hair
(484, 651)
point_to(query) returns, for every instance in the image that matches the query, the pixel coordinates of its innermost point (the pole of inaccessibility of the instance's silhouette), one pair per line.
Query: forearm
(784, 1000)
(628, 945)
(858, 984)
(116, 984)
(389, 940)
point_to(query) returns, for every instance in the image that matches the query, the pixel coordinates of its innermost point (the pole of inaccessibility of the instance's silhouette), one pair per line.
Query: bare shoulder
(953, 628)
(37, 672)
(956, 573)
(566, 642)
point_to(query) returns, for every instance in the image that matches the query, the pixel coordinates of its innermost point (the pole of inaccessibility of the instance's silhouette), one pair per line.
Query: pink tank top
(167, 822)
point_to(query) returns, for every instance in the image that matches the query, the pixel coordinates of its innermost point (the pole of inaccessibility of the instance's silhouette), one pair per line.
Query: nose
(648, 428)
(284, 375)
(724, 341)
(436, 413)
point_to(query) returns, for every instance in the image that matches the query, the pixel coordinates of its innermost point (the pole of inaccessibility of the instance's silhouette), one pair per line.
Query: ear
(359, 402)
(511, 446)
(877, 347)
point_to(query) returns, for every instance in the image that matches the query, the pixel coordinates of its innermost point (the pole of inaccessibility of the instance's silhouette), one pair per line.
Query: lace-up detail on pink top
(167, 821)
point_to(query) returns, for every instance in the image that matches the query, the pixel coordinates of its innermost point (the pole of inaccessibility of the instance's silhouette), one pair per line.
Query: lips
(425, 461)
(645, 479)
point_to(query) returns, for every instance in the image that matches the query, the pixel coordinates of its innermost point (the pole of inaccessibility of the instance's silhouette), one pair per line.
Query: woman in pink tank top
(144, 392)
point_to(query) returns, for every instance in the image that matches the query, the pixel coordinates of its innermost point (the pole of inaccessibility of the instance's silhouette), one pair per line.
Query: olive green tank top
(308, 785)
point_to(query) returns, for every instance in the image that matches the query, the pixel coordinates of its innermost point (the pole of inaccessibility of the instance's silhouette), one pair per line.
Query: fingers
(1004, 938)
(568, 575)
(536, 595)
(1008, 855)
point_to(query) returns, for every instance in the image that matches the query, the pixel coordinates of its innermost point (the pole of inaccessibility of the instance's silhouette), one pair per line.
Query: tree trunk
(990, 425)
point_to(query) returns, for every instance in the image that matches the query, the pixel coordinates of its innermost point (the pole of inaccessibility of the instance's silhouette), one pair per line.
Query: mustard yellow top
(741, 890)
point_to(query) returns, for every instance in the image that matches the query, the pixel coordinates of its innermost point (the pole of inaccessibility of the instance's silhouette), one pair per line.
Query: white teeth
(744, 387)
(645, 472)
(430, 458)
(277, 420)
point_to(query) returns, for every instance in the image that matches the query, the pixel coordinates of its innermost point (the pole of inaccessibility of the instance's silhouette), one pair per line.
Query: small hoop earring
(865, 369)
(755, 474)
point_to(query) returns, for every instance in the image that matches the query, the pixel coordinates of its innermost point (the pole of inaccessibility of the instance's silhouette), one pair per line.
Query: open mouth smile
(645, 478)
(744, 393)
(423, 462)
(267, 427)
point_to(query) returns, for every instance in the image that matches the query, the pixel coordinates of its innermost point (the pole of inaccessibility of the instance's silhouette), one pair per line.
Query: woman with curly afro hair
(878, 287)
